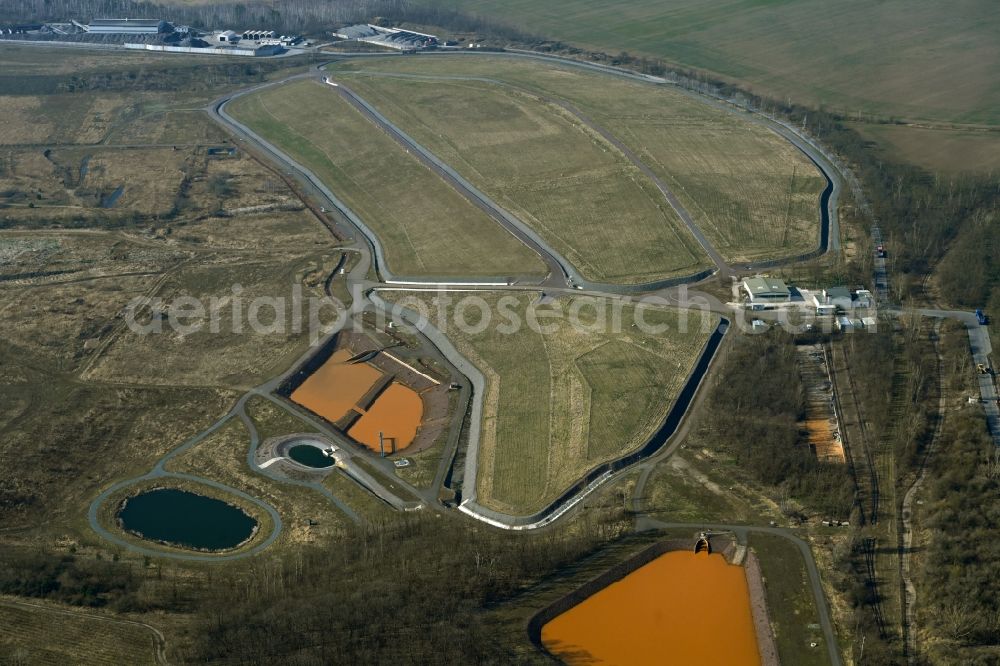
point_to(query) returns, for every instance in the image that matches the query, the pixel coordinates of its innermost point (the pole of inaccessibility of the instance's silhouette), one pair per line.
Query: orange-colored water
(820, 436)
(681, 608)
(396, 413)
(336, 386)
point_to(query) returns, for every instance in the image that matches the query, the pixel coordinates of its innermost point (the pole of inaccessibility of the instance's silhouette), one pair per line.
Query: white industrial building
(251, 50)
(127, 26)
(842, 299)
(257, 35)
(839, 297)
(766, 290)
(270, 38)
(393, 38)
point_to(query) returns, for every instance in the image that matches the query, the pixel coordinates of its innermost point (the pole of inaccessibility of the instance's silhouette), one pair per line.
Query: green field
(903, 58)
(425, 226)
(753, 194)
(35, 61)
(544, 166)
(557, 404)
(790, 602)
(947, 151)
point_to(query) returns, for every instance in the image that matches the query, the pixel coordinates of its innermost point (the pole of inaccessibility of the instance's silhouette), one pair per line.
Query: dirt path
(909, 599)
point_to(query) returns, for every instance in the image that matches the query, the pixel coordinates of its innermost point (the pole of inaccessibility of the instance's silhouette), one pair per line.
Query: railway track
(869, 549)
(867, 460)
(856, 471)
(868, 467)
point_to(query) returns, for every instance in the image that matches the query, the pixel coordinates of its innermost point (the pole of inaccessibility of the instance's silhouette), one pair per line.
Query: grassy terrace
(790, 602)
(905, 58)
(754, 195)
(582, 196)
(548, 169)
(425, 226)
(557, 404)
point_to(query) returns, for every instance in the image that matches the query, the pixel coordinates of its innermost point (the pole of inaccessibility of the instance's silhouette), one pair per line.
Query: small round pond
(186, 519)
(310, 456)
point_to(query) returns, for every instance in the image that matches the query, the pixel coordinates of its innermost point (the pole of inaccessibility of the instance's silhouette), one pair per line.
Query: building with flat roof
(127, 26)
(766, 290)
(844, 299)
(839, 296)
(393, 38)
(253, 50)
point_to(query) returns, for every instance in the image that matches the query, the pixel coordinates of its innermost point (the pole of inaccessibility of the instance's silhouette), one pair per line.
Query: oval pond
(186, 519)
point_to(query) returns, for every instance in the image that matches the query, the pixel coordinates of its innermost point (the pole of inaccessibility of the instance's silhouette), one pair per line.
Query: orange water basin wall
(337, 387)
(679, 608)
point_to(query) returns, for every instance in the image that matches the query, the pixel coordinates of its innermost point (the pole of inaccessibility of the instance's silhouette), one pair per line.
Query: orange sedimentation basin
(680, 608)
(820, 437)
(396, 413)
(336, 386)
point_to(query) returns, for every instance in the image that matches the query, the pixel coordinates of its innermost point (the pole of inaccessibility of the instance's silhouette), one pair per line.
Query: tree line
(288, 16)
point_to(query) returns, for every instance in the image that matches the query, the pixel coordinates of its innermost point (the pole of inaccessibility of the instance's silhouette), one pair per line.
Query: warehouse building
(843, 299)
(251, 50)
(766, 290)
(393, 38)
(128, 26)
(839, 297)
(257, 35)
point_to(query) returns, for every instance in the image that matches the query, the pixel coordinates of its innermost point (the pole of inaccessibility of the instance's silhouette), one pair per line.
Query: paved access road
(979, 342)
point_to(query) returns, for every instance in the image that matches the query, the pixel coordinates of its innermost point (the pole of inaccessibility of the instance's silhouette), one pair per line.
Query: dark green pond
(309, 456)
(186, 519)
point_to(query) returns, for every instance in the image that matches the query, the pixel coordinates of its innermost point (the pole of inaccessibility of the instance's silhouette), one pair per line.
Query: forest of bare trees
(756, 413)
(416, 589)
